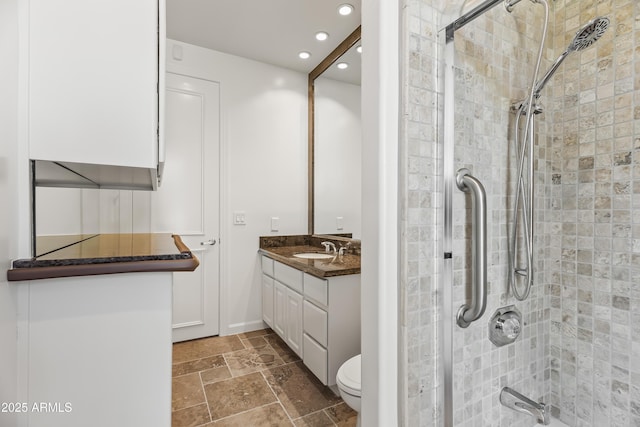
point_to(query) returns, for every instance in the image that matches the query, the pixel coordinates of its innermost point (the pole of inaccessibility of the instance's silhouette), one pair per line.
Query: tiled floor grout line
(244, 412)
(276, 395)
(323, 410)
(328, 414)
(205, 395)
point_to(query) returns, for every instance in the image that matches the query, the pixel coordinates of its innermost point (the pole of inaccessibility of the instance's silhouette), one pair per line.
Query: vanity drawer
(315, 323)
(316, 289)
(267, 266)
(288, 275)
(315, 358)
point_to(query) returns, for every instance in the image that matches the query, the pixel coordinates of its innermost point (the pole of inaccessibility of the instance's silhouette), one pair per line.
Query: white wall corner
(380, 88)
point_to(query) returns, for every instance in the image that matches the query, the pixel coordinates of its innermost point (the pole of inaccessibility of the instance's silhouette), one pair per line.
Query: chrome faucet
(344, 248)
(328, 246)
(518, 402)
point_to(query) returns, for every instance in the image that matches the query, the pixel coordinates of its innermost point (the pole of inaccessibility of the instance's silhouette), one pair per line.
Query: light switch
(339, 223)
(275, 223)
(239, 218)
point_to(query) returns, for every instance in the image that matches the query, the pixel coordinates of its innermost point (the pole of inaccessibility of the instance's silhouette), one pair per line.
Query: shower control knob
(505, 326)
(511, 328)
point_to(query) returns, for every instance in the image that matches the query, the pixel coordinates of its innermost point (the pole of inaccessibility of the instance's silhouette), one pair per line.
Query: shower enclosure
(554, 158)
(485, 73)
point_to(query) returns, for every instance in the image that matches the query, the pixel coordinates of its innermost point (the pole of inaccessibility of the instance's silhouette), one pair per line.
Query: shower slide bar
(473, 311)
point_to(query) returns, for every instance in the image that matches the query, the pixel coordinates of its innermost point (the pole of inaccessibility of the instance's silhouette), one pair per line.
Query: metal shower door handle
(473, 311)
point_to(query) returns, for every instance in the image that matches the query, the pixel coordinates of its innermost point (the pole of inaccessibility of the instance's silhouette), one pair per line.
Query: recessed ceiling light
(322, 35)
(345, 9)
(304, 55)
(342, 65)
(359, 49)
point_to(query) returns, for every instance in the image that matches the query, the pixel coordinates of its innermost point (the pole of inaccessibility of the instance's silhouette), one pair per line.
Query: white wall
(338, 154)
(380, 97)
(9, 210)
(264, 166)
(263, 173)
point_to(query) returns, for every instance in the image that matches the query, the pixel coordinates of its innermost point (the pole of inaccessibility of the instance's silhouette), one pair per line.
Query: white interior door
(187, 202)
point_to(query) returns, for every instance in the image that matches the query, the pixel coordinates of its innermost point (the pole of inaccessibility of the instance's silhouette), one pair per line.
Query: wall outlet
(275, 223)
(339, 223)
(239, 218)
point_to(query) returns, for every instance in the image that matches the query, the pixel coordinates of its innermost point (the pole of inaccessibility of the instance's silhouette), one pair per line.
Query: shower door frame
(447, 322)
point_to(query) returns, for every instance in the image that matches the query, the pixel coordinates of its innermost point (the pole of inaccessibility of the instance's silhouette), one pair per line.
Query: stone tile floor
(249, 380)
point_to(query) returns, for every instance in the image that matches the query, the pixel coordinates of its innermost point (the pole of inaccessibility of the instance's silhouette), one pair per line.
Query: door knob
(209, 242)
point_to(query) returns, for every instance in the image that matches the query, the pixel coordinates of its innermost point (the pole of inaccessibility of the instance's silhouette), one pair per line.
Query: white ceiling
(270, 31)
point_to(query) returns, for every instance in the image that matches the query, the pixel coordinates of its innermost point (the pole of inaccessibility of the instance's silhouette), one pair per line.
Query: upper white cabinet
(94, 73)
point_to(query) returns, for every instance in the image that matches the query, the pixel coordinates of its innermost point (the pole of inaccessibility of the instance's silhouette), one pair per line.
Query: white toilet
(349, 383)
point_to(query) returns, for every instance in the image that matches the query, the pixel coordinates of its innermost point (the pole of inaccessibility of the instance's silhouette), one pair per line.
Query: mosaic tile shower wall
(421, 206)
(493, 65)
(580, 348)
(594, 218)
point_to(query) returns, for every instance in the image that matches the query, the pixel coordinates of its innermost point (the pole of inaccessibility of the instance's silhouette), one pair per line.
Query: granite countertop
(283, 250)
(86, 255)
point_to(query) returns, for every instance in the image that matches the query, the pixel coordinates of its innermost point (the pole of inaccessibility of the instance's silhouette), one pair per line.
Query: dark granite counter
(86, 255)
(283, 248)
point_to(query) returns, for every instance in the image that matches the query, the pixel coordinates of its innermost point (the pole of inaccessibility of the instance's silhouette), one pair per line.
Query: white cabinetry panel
(294, 321)
(315, 323)
(288, 275)
(315, 358)
(267, 266)
(316, 289)
(280, 309)
(93, 81)
(267, 300)
(87, 337)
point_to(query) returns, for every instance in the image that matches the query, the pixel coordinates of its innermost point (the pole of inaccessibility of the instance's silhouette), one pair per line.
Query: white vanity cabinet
(282, 302)
(94, 72)
(331, 319)
(318, 318)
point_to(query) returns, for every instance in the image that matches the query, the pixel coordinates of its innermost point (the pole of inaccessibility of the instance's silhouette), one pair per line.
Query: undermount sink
(313, 255)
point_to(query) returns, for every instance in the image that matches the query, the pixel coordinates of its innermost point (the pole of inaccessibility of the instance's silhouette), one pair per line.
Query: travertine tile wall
(580, 348)
(493, 65)
(421, 198)
(489, 53)
(594, 251)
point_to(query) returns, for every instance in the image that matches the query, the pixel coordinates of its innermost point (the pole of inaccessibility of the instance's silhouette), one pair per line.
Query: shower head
(585, 37)
(589, 34)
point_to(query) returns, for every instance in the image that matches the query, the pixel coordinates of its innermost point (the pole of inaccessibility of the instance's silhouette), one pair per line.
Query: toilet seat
(349, 377)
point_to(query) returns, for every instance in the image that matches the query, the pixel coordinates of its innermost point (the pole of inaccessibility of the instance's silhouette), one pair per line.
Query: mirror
(335, 142)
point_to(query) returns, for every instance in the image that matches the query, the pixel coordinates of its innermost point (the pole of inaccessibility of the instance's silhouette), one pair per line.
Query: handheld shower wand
(523, 206)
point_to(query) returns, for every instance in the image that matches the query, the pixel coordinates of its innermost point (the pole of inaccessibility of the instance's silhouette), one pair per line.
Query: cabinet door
(93, 77)
(267, 300)
(294, 321)
(280, 309)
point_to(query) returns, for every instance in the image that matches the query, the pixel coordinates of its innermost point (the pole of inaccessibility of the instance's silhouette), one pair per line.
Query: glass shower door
(487, 66)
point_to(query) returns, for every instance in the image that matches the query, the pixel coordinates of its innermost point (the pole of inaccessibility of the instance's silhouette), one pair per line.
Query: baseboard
(238, 328)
